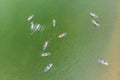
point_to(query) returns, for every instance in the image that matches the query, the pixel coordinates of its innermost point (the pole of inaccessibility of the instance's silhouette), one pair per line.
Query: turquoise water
(74, 57)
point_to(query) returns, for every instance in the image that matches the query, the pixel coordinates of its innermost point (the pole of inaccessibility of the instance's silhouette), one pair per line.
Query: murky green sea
(74, 57)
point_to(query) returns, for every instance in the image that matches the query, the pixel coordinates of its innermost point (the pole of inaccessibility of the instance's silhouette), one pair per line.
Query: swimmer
(103, 62)
(93, 15)
(54, 22)
(45, 45)
(62, 35)
(48, 67)
(95, 23)
(44, 54)
(30, 17)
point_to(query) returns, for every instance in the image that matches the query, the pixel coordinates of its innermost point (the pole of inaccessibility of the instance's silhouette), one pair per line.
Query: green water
(74, 57)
